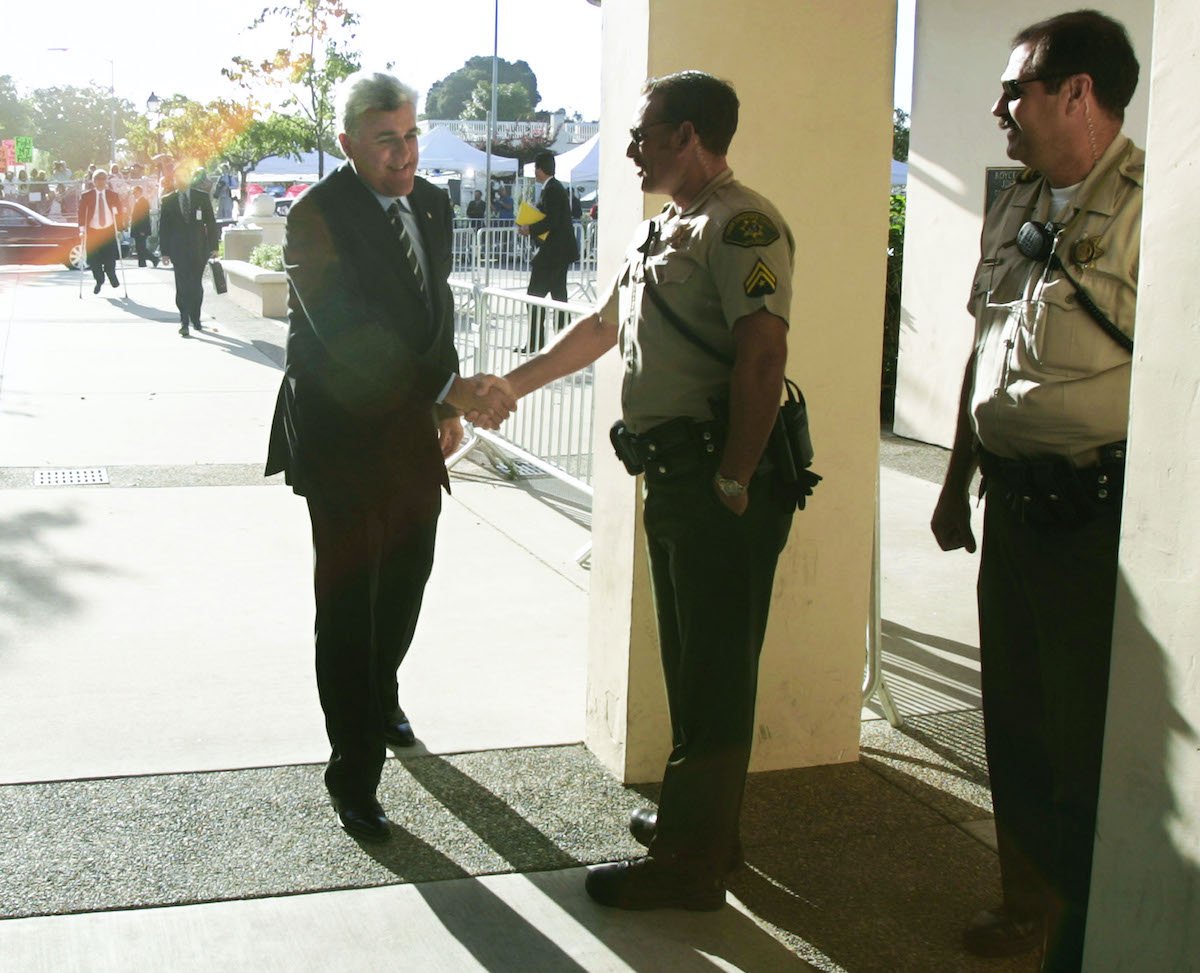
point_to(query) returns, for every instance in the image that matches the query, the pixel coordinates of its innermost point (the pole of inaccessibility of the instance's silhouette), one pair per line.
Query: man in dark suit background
(187, 235)
(100, 216)
(548, 273)
(139, 227)
(366, 414)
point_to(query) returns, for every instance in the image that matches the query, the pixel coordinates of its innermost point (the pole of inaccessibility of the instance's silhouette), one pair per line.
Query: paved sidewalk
(161, 742)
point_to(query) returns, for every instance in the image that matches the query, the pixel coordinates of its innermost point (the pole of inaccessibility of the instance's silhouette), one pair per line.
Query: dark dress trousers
(101, 245)
(560, 249)
(187, 233)
(355, 434)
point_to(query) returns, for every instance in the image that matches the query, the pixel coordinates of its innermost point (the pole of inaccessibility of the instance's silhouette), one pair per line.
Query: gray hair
(366, 91)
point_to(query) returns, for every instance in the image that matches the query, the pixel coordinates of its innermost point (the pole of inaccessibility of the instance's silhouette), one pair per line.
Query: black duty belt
(1051, 491)
(673, 448)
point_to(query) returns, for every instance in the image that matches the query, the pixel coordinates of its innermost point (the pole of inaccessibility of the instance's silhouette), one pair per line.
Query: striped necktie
(406, 245)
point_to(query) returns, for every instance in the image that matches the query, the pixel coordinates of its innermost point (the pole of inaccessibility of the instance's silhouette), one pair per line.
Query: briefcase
(218, 276)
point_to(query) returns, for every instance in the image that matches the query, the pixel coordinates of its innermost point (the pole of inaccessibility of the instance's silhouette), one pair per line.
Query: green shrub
(269, 256)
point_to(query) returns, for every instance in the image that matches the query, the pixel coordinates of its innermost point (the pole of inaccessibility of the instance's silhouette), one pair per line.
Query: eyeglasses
(1012, 87)
(638, 135)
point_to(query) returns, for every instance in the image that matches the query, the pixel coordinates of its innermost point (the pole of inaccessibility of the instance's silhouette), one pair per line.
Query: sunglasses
(1012, 87)
(638, 135)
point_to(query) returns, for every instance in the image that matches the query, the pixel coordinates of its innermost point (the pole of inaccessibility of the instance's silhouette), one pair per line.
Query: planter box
(264, 292)
(240, 241)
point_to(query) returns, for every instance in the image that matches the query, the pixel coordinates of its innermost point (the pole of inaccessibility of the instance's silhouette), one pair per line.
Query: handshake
(484, 400)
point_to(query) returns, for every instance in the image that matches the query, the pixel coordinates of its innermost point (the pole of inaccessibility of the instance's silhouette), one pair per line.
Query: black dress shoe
(399, 732)
(114, 282)
(362, 819)
(652, 883)
(197, 326)
(96, 289)
(643, 824)
(995, 933)
(183, 330)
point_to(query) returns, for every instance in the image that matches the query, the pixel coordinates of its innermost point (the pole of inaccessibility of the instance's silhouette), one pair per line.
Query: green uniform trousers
(1046, 599)
(712, 573)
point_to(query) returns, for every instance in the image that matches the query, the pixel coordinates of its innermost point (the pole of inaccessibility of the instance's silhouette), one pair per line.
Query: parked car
(27, 237)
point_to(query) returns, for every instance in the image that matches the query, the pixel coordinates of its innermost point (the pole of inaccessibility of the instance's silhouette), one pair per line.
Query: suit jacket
(366, 356)
(187, 238)
(87, 206)
(560, 246)
(139, 217)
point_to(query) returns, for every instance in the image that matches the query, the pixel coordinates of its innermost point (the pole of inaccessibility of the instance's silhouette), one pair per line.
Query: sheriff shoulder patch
(761, 281)
(750, 229)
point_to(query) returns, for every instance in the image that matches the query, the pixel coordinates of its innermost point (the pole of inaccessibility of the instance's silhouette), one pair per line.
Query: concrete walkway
(161, 742)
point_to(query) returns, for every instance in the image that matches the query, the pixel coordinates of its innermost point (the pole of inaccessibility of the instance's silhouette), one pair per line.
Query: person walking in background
(477, 209)
(100, 216)
(139, 227)
(223, 193)
(559, 249)
(1043, 414)
(187, 236)
(577, 204)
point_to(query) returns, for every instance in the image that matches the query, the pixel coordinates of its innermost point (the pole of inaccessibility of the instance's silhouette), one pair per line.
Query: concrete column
(1145, 901)
(815, 82)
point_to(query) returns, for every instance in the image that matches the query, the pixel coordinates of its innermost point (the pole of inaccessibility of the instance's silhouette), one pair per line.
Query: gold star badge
(1085, 250)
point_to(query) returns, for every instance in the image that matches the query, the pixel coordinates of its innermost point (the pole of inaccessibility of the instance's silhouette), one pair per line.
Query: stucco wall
(1145, 906)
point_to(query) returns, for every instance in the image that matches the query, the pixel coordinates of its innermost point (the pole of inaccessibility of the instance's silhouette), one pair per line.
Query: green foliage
(512, 102)
(450, 97)
(14, 112)
(268, 256)
(891, 307)
(75, 124)
(900, 130)
(318, 55)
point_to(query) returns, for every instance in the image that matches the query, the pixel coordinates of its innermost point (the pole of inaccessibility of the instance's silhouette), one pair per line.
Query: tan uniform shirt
(1048, 380)
(727, 255)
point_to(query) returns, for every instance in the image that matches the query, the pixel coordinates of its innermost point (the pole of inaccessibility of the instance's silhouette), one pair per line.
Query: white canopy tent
(440, 148)
(580, 165)
(287, 168)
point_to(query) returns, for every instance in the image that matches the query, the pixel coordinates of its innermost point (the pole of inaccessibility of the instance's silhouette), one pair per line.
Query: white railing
(499, 257)
(475, 130)
(552, 427)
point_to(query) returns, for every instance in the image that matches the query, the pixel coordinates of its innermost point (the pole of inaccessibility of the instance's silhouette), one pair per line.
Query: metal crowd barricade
(551, 432)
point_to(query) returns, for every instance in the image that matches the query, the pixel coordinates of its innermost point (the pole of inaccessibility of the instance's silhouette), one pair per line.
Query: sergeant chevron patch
(761, 281)
(750, 229)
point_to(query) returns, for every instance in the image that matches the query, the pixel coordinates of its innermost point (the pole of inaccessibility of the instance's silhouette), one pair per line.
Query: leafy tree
(14, 113)
(307, 70)
(74, 124)
(512, 102)
(900, 135)
(450, 97)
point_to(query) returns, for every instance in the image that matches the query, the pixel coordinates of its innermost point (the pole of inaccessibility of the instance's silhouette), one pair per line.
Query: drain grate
(76, 477)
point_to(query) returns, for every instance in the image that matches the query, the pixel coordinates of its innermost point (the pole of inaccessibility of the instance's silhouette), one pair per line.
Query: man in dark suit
(187, 235)
(370, 392)
(139, 227)
(100, 216)
(548, 274)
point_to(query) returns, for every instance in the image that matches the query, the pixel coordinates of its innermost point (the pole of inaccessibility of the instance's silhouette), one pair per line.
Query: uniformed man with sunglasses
(716, 262)
(1043, 415)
